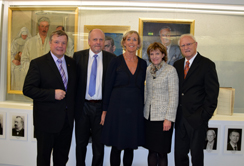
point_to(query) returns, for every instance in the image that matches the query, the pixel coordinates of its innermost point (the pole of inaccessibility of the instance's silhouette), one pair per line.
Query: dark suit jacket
(198, 92)
(42, 79)
(229, 147)
(81, 58)
(20, 133)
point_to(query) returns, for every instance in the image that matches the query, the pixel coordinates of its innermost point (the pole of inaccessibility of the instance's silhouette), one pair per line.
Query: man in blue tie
(51, 83)
(91, 71)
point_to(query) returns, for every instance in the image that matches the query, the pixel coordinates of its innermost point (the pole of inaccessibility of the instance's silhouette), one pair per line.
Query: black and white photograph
(233, 140)
(18, 126)
(211, 142)
(2, 124)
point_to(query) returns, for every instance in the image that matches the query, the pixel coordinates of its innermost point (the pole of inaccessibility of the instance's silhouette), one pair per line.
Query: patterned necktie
(93, 76)
(186, 69)
(62, 73)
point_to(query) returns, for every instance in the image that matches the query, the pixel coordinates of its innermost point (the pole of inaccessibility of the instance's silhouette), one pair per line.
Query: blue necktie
(93, 76)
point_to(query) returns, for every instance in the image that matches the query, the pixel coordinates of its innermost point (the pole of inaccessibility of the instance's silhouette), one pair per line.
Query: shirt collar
(192, 59)
(91, 53)
(55, 58)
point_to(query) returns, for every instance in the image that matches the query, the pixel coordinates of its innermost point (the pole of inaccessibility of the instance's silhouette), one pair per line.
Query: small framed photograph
(2, 124)
(233, 140)
(212, 141)
(18, 123)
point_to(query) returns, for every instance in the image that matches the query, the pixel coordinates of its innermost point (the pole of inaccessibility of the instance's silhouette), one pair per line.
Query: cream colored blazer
(161, 94)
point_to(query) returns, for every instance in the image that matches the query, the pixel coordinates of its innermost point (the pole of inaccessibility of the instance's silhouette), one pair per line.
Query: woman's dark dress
(123, 100)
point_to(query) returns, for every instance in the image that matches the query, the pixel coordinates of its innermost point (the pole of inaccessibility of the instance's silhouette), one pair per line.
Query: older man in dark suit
(91, 70)
(198, 93)
(51, 83)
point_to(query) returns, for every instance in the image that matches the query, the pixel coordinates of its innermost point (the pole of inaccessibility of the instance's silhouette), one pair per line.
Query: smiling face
(96, 40)
(188, 47)
(43, 28)
(210, 136)
(58, 45)
(131, 42)
(156, 56)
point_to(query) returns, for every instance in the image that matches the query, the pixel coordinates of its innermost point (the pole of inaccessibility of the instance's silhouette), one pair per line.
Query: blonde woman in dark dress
(123, 102)
(161, 101)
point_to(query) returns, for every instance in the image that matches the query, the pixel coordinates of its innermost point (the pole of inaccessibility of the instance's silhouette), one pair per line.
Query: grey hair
(186, 35)
(43, 19)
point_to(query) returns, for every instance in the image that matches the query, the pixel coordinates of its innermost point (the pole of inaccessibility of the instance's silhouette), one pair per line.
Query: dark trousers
(189, 139)
(89, 123)
(59, 143)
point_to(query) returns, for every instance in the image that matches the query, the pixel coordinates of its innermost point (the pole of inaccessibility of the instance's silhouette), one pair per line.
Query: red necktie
(186, 68)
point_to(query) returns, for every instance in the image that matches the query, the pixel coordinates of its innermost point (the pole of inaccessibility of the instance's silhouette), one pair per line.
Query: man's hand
(59, 94)
(103, 117)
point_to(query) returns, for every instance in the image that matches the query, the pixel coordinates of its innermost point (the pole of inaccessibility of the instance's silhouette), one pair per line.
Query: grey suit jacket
(174, 54)
(161, 94)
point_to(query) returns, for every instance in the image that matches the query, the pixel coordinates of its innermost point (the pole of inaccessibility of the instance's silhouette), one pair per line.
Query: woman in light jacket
(161, 101)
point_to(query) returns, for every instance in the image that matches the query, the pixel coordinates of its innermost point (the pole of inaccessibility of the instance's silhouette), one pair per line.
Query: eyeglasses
(188, 44)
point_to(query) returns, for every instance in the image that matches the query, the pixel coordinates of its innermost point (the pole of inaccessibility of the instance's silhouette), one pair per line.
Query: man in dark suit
(198, 93)
(51, 83)
(18, 129)
(89, 117)
(234, 141)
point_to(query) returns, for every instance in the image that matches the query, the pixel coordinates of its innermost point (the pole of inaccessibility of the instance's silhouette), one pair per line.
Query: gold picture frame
(149, 31)
(114, 31)
(25, 19)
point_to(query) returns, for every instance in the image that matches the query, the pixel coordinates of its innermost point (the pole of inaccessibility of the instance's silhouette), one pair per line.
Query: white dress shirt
(98, 92)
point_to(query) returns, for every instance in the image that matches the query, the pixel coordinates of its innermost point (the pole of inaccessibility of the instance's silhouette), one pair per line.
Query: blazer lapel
(194, 66)
(68, 69)
(54, 68)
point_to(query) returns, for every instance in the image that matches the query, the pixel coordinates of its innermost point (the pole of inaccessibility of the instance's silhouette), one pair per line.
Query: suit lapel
(105, 62)
(84, 62)
(54, 69)
(67, 60)
(194, 66)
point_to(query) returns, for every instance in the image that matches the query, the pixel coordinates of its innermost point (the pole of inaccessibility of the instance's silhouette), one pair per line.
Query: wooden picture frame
(23, 21)
(149, 30)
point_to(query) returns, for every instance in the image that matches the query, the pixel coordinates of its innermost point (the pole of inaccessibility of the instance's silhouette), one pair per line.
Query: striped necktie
(186, 69)
(62, 73)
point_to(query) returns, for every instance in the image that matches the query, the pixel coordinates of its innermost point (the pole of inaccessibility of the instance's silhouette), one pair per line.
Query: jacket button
(182, 94)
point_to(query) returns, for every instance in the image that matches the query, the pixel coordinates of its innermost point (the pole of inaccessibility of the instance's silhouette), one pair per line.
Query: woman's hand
(167, 125)
(103, 117)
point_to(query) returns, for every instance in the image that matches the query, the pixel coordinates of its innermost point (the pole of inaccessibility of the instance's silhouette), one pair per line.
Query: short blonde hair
(129, 33)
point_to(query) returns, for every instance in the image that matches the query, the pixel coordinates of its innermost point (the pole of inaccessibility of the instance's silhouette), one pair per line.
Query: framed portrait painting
(165, 31)
(113, 37)
(28, 37)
